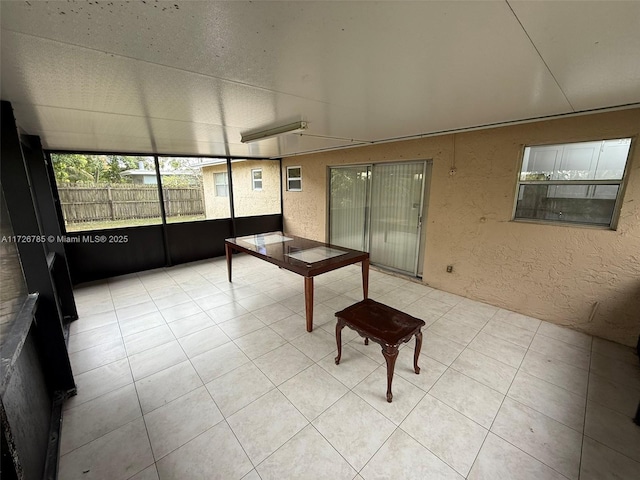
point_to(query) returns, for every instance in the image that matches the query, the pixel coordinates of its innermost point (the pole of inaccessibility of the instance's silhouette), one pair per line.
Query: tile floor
(182, 375)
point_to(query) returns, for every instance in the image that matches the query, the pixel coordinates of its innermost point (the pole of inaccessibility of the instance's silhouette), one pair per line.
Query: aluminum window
(256, 179)
(294, 179)
(572, 183)
(222, 184)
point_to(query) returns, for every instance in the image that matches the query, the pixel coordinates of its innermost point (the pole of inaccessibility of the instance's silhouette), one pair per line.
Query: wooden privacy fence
(83, 203)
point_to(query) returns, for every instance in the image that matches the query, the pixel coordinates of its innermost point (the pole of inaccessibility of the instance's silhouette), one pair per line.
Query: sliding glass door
(348, 207)
(378, 208)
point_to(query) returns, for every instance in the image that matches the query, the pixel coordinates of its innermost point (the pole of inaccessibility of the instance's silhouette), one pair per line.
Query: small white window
(256, 179)
(294, 179)
(578, 183)
(222, 184)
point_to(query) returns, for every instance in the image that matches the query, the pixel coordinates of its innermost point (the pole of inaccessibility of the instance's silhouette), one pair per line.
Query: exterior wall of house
(214, 206)
(585, 278)
(247, 202)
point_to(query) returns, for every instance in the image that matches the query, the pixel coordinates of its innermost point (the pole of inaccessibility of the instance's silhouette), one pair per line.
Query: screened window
(576, 183)
(106, 191)
(253, 192)
(222, 184)
(256, 179)
(294, 179)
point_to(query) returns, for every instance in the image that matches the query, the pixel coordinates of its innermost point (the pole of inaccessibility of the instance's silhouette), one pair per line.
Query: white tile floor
(182, 375)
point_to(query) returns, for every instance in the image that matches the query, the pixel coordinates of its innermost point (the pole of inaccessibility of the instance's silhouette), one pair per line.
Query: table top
(380, 322)
(297, 254)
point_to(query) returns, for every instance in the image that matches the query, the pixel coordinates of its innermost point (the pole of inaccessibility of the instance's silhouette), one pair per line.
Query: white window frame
(590, 184)
(217, 184)
(254, 180)
(290, 179)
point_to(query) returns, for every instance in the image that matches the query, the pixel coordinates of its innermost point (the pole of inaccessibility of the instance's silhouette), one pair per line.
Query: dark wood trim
(33, 255)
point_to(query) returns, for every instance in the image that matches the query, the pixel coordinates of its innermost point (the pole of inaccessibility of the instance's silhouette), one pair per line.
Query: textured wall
(553, 272)
(247, 202)
(214, 206)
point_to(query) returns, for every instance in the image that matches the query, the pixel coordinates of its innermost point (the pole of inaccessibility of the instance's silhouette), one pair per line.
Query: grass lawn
(133, 222)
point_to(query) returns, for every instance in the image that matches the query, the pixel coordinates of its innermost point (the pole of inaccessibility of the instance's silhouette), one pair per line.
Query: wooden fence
(82, 203)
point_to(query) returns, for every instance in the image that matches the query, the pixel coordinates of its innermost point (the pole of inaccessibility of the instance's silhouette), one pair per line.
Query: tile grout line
(586, 404)
(137, 395)
(352, 389)
(212, 399)
(505, 397)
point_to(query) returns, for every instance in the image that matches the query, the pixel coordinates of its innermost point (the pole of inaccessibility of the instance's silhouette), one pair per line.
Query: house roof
(189, 77)
(138, 172)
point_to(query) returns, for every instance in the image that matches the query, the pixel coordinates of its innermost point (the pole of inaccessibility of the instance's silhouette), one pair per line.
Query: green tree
(115, 165)
(81, 168)
(74, 167)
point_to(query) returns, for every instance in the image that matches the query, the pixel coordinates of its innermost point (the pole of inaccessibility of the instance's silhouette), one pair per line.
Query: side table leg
(227, 251)
(339, 327)
(308, 302)
(416, 354)
(365, 278)
(390, 353)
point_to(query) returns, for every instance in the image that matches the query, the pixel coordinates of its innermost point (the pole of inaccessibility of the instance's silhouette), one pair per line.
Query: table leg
(308, 302)
(339, 326)
(227, 251)
(390, 353)
(416, 354)
(365, 278)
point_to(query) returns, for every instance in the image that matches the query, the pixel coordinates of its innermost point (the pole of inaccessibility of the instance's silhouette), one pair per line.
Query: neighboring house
(256, 186)
(148, 177)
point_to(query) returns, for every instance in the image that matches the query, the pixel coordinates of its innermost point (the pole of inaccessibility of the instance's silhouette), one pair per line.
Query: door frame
(421, 243)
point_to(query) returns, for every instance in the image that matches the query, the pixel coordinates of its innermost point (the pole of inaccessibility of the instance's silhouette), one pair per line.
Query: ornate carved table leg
(390, 353)
(416, 354)
(339, 326)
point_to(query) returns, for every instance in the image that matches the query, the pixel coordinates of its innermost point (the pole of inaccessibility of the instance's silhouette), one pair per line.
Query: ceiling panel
(592, 48)
(163, 74)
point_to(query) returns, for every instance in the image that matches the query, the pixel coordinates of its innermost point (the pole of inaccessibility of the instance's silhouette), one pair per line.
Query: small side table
(384, 325)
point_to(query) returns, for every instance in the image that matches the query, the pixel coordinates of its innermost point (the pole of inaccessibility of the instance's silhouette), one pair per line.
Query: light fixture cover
(273, 132)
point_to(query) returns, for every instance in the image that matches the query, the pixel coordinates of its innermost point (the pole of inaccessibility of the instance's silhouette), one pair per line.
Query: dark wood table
(300, 255)
(384, 325)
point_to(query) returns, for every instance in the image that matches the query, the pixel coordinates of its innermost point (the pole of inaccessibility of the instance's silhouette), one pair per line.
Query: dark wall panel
(117, 251)
(260, 224)
(90, 259)
(191, 241)
(27, 406)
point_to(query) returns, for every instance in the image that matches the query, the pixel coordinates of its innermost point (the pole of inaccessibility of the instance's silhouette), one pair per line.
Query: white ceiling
(188, 77)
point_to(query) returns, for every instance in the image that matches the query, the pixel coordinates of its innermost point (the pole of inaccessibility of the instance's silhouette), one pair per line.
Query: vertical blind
(395, 212)
(377, 209)
(348, 207)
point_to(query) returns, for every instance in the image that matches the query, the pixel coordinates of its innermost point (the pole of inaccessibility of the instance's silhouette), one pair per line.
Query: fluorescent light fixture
(273, 132)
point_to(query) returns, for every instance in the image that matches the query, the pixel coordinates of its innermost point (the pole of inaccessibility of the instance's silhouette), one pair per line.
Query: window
(222, 184)
(250, 198)
(106, 191)
(256, 179)
(294, 179)
(577, 183)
